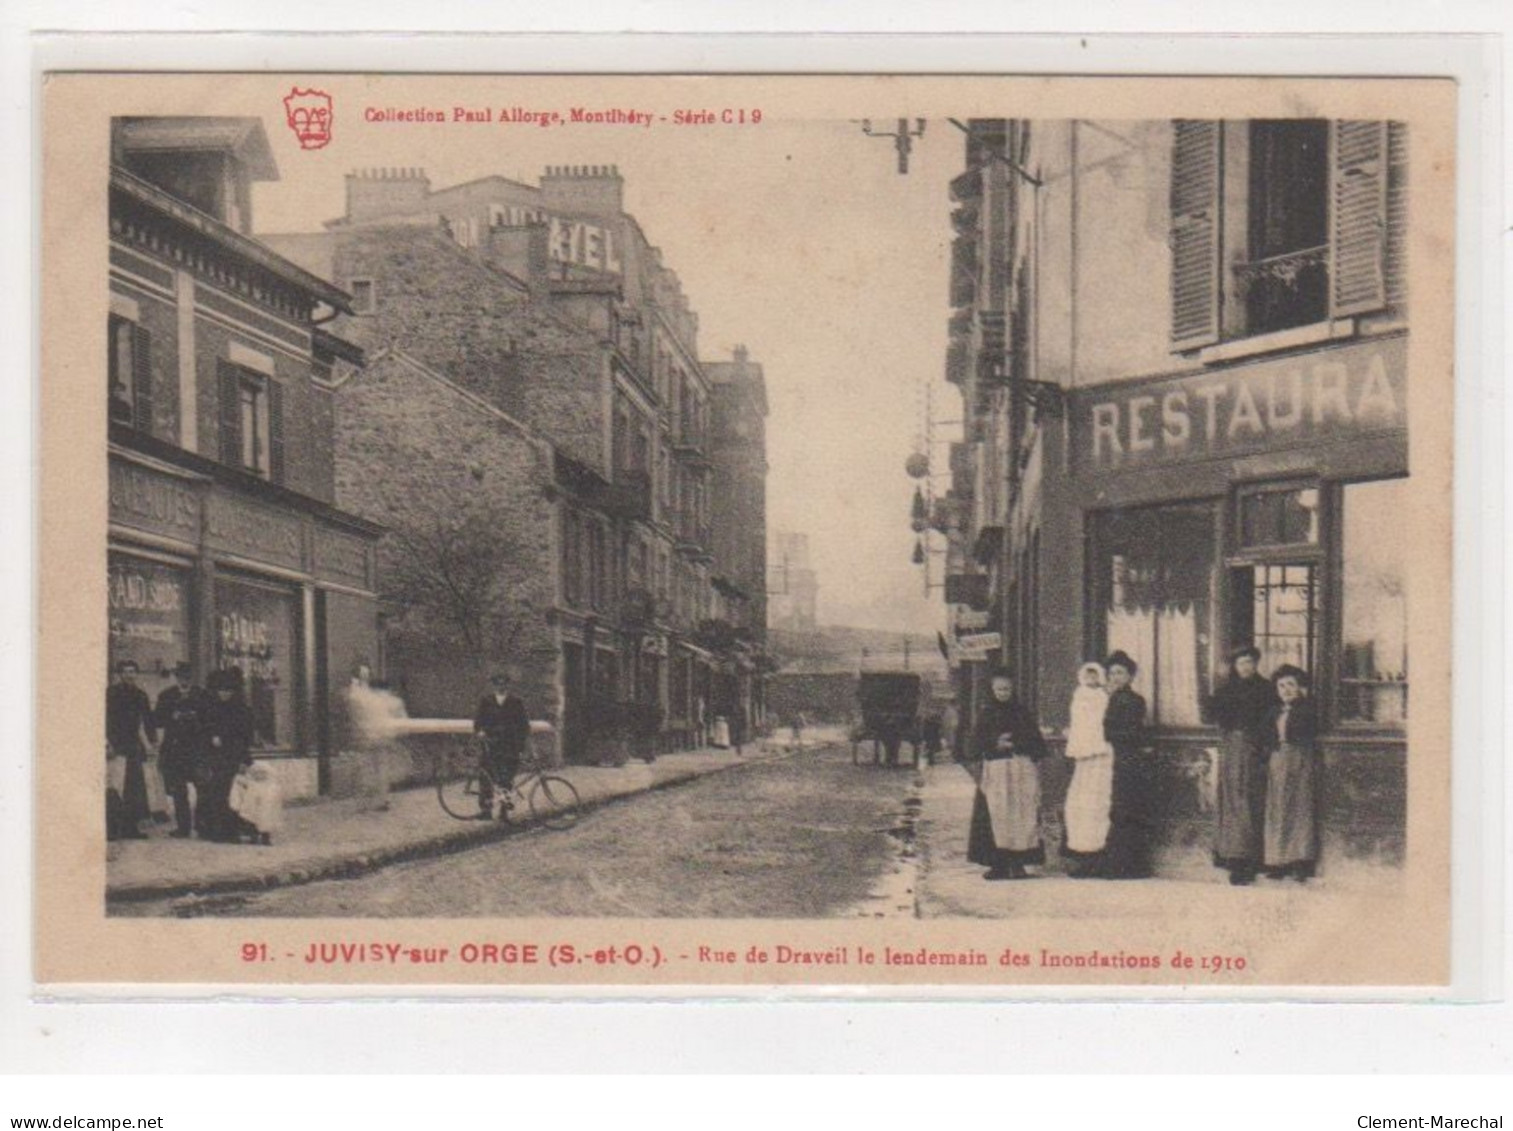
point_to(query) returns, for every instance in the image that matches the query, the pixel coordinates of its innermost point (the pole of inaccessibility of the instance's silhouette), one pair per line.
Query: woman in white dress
(1089, 795)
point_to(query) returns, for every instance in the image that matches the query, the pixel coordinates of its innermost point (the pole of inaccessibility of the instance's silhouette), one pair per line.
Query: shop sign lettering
(1328, 394)
(135, 591)
(980, 642)
(147, 500)
(247, 642)
(583, 245)
(232, 524)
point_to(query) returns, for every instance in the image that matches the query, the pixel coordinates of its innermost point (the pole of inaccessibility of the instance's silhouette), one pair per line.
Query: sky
(799, 240)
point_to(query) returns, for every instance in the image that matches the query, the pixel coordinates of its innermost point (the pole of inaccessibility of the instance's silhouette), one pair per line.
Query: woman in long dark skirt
(1004, 835)
(1292, 828)
(228, 728)
(1241, 709)
(1127, 855)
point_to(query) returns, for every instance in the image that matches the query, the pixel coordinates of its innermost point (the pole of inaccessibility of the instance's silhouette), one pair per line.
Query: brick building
(550, 304)
(1181, 350)
(226, 546)
(738, 486)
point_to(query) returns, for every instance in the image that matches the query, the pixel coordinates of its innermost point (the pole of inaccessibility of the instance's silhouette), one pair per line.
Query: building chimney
(594, 190)
(740, 355)
(376, 193)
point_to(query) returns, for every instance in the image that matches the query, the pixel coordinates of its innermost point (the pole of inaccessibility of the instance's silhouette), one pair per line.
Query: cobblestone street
(799, 837)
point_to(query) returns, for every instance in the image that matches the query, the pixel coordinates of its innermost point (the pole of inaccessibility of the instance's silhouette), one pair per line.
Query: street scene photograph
(935, 547)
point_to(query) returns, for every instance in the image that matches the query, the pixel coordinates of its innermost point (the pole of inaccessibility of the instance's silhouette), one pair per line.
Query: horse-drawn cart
(890, 715)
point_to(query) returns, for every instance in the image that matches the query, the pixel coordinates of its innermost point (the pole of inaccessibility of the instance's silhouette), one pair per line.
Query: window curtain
(1133, 631)
(1177, 662)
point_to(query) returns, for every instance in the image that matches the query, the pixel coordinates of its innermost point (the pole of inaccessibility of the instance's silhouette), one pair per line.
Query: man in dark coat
(1241, 709)
(1007, 745)
(128, 716)
(1127, 855)
(180, 715)
(228, 731)
(503, 726)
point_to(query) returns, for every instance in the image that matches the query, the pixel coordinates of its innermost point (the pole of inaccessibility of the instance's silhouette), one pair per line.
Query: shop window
(257, 632)
(129, 370)
(251, 421)
(1374, 614)
(1278, 516)
(604, 676)
(149, 618)
(1153, 584)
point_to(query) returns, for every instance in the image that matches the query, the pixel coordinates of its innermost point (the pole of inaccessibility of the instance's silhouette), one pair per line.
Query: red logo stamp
(309, 115)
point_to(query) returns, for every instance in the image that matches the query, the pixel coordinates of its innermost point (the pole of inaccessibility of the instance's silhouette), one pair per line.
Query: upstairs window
(1282, 223)
(1284, 280)
(251, 421)
(129, 373)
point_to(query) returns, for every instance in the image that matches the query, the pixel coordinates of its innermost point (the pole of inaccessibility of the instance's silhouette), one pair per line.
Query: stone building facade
(549, 303)
(227, 548)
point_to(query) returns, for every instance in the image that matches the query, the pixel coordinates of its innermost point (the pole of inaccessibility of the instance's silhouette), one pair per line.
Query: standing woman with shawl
(1131, 809)
(1242, 709)
(1091, 790)
(1292, 830)
(1005, 831)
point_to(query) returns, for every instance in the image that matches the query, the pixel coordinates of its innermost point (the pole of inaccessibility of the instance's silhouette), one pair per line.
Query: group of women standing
(1267, 769)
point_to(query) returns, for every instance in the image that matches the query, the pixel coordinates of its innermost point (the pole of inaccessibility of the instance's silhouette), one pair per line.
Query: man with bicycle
(503, 727)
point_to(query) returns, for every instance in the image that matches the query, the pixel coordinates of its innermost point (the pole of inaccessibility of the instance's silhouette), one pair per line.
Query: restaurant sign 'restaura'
(1340, 393)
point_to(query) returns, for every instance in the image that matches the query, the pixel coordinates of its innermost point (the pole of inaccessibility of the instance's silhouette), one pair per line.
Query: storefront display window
(257, 632)
(1374, 648)
(1154, 589)
(149, 618)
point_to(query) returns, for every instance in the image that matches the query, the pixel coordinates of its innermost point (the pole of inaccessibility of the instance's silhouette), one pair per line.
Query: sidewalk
(333, 839)
(1186, 884)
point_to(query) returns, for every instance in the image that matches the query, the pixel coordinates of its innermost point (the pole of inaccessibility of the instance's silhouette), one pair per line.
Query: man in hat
(181, 715)
(229, 733)
(128, 716)
(504, 728)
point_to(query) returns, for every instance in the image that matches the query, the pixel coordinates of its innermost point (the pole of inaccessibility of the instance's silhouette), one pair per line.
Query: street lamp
(903, 137)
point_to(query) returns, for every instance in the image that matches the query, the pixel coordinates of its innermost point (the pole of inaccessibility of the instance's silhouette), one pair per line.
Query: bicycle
(549, 798)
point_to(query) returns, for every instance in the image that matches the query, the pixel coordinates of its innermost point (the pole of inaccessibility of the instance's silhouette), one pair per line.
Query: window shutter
(1395, 266)
(275, 431)
(1359, 218)
(230, 414)
(141, 376)
(1197, 151)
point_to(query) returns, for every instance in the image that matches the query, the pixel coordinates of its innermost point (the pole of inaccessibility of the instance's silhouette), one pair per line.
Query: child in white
(258, 800)
(1091, 788)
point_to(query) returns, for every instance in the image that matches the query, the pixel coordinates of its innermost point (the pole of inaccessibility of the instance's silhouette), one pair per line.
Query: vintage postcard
(967, 536)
